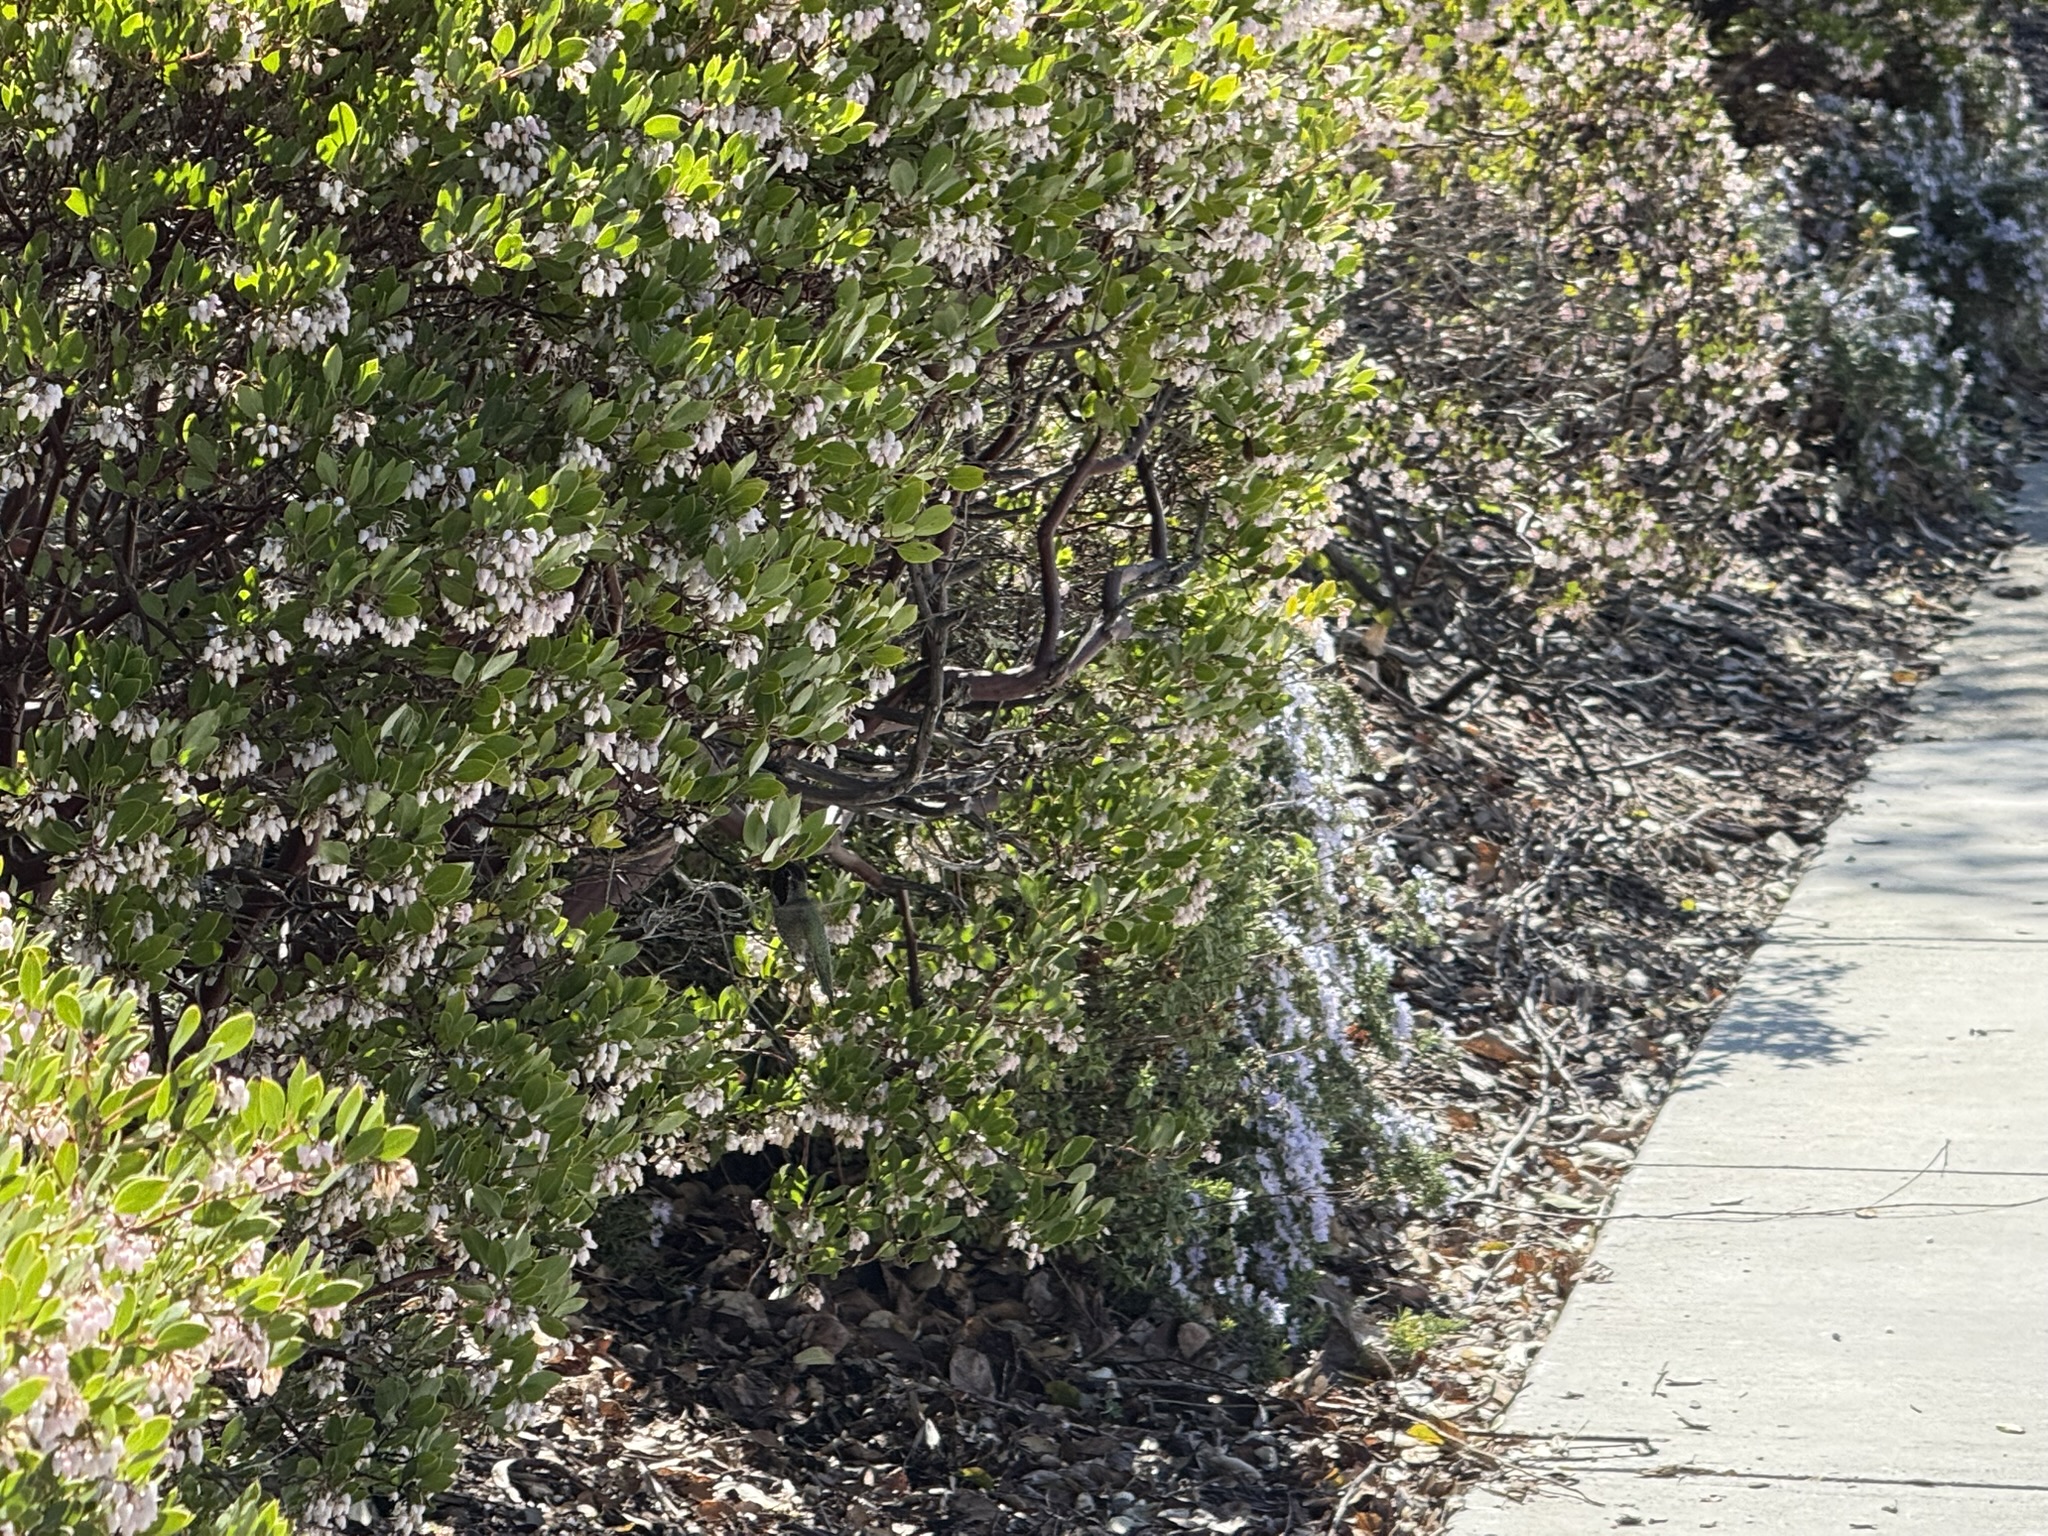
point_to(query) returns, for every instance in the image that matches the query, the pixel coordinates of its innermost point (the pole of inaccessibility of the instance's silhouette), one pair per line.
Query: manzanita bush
(1585, 339)
(471, 472)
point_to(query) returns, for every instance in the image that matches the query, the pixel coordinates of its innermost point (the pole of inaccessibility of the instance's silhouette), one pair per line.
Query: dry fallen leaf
(1494, 1047)
(971, 1371)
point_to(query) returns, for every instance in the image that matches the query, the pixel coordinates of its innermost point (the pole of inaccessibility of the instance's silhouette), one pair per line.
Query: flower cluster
(1227, 1090)
(1314, 1009)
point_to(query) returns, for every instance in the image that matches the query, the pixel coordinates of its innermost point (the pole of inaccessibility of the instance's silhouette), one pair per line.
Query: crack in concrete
(1685, 1470)
(1964, 1173)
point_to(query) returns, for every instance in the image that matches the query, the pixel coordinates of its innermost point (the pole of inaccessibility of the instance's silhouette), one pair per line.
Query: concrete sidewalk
(1822, 1302)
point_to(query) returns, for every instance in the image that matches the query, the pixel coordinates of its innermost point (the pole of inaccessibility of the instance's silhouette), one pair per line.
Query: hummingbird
(801, 921)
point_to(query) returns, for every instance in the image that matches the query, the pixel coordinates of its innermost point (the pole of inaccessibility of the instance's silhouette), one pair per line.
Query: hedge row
(651, 587)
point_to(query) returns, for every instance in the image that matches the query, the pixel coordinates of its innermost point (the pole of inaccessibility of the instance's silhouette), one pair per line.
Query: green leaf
(398, 1140)
(183, 1335)
(1074, 1151)
(146, 1436)
(138, 1196)
(335, 1293)
(230, 1037)
(188, 1026)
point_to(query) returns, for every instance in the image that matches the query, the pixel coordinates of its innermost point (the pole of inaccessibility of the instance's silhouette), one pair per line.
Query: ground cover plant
(1230, 1092)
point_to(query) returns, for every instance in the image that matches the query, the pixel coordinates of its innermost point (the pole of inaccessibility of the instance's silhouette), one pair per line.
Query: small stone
(1222, 1464)
(1192, 1339)
(1040, 1297)
(822, 1330)
(744, 1305)
(2017, 591)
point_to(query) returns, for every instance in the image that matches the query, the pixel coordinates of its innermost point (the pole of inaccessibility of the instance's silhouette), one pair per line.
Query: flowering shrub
(141, 1279)
(1228, 1094)
(1880, 379)
(665, 584)
(931, 1066)
(1583, 338)
(487, 483)
(1917, 182)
